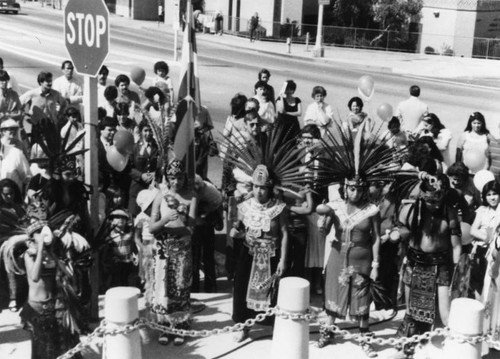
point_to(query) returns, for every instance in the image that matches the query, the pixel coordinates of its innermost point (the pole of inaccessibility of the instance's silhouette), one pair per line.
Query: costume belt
(424, 258)
(261, 250)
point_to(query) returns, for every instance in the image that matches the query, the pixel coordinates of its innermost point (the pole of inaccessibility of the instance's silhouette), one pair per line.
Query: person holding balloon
(473, 146)
(357, 120)
(163, 81)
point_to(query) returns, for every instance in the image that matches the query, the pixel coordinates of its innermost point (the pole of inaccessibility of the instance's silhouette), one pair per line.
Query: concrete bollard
(307, 41)
(466, 318)
(291, 337)
(289, 45)
(121, 308)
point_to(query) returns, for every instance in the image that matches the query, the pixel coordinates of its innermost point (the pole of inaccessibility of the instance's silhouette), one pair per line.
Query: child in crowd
(397, 140)
(145, 241)
(163, 81)
(120, 252)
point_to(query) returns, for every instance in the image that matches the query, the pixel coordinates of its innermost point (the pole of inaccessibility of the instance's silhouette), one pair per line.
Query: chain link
(98, 332)
(104, 329)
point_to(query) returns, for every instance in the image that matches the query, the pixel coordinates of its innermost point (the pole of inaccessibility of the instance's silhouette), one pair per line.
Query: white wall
(265, 8)
(437, 31)
(291, 9)
(464, 33)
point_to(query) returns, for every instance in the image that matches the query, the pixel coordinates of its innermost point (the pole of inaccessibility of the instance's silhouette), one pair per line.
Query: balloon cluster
(118, 154)
(366, 89)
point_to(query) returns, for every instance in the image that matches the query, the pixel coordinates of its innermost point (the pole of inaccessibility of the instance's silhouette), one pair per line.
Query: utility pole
(319, 50)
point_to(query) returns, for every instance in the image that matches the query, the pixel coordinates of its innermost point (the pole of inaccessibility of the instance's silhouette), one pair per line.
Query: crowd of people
(372, 213)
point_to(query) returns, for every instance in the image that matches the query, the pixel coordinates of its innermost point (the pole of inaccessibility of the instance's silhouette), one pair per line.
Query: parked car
(9, 6)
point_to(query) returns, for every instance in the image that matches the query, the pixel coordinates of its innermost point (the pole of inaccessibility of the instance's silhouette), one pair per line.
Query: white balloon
(481, 178)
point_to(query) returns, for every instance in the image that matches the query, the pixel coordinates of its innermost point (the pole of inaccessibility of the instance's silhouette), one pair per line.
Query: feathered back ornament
(357, 159)
(162, 132)
(274, 149)
(58, 152)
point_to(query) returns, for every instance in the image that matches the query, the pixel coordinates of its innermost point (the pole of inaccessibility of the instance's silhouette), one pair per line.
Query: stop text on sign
(85, 29)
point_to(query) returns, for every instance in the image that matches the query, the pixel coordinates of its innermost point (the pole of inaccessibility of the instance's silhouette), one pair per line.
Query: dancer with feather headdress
(272, 167)
(352, 266)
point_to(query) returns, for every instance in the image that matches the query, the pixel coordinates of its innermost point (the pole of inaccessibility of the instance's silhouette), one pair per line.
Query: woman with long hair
(482, 232)
(473, 146)
(289, 109)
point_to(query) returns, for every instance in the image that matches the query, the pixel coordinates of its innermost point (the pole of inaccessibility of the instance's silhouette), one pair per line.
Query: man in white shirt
(412, 110)
(13, 162)
(102, 78)
(69, 87)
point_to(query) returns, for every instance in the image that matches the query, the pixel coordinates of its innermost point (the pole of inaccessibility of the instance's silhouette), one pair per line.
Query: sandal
(367, 347)
(326, 337)
(164, 339)
(178, 340)
(13, 306)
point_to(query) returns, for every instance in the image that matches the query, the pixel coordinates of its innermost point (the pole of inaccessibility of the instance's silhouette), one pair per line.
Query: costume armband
(456, 232)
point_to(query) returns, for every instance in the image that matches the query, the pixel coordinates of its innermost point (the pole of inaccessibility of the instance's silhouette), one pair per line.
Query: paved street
(453, 88)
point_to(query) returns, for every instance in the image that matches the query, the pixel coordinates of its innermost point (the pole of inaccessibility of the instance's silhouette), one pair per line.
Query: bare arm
(456, 241)
(376, 245)
(34, 266)
(283, 218)
(307, 209)
(476, 231)
(157, 223)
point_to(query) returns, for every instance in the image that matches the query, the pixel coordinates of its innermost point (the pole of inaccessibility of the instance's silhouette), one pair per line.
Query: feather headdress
(58, 152)
(275, 150)
(358, 159)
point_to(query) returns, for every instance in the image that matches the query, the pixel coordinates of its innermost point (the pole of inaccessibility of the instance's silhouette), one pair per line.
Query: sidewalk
(15, 343)
(471, 70)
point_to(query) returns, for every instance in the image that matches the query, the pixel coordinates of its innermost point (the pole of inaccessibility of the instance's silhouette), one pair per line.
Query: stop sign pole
(86, 34)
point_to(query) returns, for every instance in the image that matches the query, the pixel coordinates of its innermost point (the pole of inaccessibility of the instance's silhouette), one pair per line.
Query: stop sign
(86, 34)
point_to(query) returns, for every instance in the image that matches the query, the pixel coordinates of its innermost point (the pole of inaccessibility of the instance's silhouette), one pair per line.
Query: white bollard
(466, 318)
(291, 337)
(121, 308)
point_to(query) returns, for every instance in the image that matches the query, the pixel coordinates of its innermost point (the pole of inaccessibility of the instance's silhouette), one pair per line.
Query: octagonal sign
(86, 34)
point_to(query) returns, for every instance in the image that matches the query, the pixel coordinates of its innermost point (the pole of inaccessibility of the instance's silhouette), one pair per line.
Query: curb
(371, 68)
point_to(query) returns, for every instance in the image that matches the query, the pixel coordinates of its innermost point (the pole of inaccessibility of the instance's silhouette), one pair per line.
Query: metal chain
(99, 331)
(206, 333)
(309, 316)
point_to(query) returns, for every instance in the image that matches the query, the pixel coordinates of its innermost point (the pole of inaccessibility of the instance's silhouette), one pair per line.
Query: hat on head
(260, 176)
(119, 213)
(146, 197)
(9, 123)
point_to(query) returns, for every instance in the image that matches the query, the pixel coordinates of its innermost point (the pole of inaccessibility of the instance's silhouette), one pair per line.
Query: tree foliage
(352, 13)
(396, 14)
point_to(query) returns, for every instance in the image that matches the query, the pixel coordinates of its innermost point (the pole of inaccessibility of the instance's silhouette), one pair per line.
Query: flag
(189, 98)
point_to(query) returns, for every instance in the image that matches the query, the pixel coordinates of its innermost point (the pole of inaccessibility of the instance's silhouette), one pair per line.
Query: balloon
(322, 209)
(115, 159)
(124, 142)
(475, 160)
(366, 86)
(137, 74)
(481, 178)
(384, 111)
